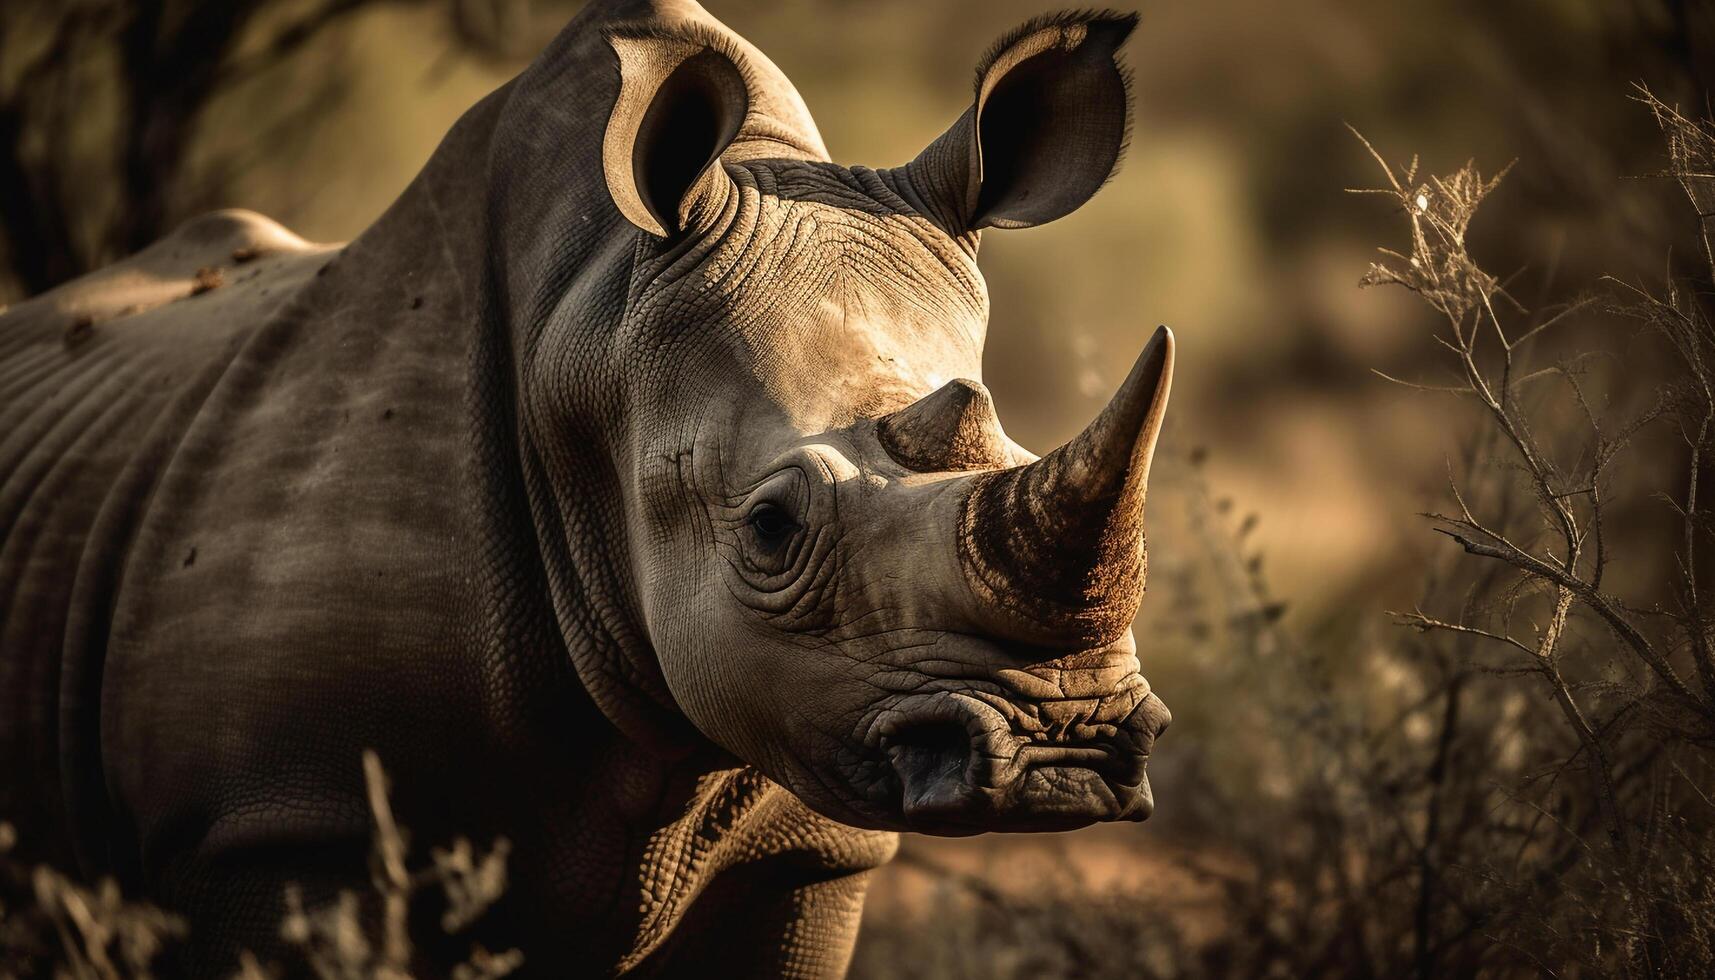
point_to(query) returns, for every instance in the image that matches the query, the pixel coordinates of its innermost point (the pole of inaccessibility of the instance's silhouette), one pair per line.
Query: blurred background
(1291, 476)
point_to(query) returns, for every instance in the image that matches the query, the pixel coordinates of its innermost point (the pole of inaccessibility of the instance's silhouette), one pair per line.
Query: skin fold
(629, 486)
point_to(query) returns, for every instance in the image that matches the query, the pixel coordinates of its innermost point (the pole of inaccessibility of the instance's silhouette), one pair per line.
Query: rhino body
(612, 486)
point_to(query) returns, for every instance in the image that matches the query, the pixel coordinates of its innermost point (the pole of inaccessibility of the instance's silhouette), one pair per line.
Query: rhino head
(836, 565)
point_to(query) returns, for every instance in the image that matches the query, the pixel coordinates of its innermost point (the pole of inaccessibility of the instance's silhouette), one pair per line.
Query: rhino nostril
(928, 755)
(1161, 716)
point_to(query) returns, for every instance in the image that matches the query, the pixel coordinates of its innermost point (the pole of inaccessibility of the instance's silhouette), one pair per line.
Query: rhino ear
(1046, 130)
(681, 102)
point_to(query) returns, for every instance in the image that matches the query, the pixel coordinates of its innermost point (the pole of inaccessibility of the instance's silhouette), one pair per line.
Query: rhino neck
(508, 222)
(552, 240)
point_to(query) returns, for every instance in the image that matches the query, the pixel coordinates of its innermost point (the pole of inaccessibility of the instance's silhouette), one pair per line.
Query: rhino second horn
(1055, 549)
(952, 428)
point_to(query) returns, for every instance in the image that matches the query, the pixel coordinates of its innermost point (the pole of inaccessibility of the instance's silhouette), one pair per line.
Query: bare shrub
(1521, 784)
(1355, 775)
(1612, 869)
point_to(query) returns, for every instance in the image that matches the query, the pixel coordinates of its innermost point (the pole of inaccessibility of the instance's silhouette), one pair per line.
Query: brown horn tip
(952, 428)
(1055, 548)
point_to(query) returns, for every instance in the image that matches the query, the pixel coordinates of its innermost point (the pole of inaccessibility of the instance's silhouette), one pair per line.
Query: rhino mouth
(971, 761)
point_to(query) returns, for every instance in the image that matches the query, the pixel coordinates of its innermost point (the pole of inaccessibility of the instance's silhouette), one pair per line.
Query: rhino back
(99, 378)
(305, 580)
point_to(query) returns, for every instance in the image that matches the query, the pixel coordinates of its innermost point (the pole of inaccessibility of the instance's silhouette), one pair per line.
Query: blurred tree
(100, 103)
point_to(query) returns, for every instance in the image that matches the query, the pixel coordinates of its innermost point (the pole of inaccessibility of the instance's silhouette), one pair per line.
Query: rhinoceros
(628, 486)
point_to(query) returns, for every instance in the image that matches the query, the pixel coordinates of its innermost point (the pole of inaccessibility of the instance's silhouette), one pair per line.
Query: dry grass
(51, 925)
(340, 942)
(57, 927)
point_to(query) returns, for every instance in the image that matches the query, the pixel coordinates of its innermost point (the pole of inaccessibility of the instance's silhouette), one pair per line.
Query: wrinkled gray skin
(627, 486)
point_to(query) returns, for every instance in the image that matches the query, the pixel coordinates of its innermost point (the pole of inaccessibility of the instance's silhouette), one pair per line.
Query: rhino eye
(772, 525)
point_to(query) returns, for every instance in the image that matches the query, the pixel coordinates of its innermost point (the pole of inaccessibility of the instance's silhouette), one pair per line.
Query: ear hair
(1064, 21)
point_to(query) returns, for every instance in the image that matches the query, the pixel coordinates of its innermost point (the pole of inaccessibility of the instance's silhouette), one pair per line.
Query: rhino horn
(952, 428)
(1055, 549)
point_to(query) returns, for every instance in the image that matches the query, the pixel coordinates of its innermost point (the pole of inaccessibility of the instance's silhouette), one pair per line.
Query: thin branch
(1597, 602)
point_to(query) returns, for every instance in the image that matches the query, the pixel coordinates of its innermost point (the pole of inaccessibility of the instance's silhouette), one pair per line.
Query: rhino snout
(965, 762)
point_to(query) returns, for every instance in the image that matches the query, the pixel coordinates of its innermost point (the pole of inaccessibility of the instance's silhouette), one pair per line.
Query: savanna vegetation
(1516, 780)
(1479, 741)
